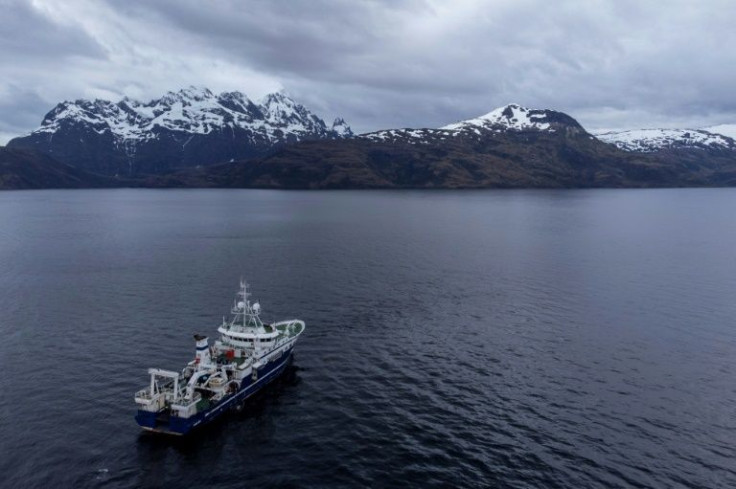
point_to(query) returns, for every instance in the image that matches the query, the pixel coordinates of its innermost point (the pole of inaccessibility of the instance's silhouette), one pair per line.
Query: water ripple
(476, 339)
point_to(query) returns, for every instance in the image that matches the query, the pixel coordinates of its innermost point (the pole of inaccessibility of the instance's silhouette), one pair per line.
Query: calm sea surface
(454, 339)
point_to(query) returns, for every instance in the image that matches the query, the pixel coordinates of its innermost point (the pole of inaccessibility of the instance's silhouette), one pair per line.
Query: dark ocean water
(454, 339)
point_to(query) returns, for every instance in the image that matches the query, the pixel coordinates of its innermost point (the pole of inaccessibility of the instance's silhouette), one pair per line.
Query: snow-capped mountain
(511, 118)
(514, 117)
(651, 140)
(190, 127)
(191, 110)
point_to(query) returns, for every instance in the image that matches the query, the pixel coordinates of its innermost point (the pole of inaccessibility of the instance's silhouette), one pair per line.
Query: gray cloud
(27, 31)
(384, 64)
(20, 108)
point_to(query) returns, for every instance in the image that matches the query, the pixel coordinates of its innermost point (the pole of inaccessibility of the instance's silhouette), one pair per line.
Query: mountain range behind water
(227, 139)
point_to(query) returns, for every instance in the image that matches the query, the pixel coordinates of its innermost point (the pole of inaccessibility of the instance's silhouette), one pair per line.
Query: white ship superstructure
(248, 355)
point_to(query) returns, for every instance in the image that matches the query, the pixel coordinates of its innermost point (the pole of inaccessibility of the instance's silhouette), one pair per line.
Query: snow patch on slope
(510, 117)
(728, 130)
(413, 136)
(649, 140)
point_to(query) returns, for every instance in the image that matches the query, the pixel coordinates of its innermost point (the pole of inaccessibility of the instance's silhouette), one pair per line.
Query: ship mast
(245, 315)
(246, 306)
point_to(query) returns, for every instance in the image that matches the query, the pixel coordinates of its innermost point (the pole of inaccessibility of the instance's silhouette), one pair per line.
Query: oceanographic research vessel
(248, 356)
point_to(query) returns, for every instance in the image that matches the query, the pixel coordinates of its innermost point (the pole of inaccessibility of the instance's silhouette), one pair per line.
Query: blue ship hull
(161, 422)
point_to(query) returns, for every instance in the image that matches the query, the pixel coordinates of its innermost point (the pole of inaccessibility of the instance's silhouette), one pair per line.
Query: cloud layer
(408, 63)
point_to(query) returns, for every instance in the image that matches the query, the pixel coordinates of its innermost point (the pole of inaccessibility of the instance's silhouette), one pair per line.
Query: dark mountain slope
(27, 169)
(510, 159)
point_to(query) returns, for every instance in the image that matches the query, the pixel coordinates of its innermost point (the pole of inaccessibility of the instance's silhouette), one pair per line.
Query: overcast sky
(380, 64)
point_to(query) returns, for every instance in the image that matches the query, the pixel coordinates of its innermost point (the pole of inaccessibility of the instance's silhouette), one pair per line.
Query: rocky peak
(185, 96)
(280, 110)
(341, 128)
(240, 103)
